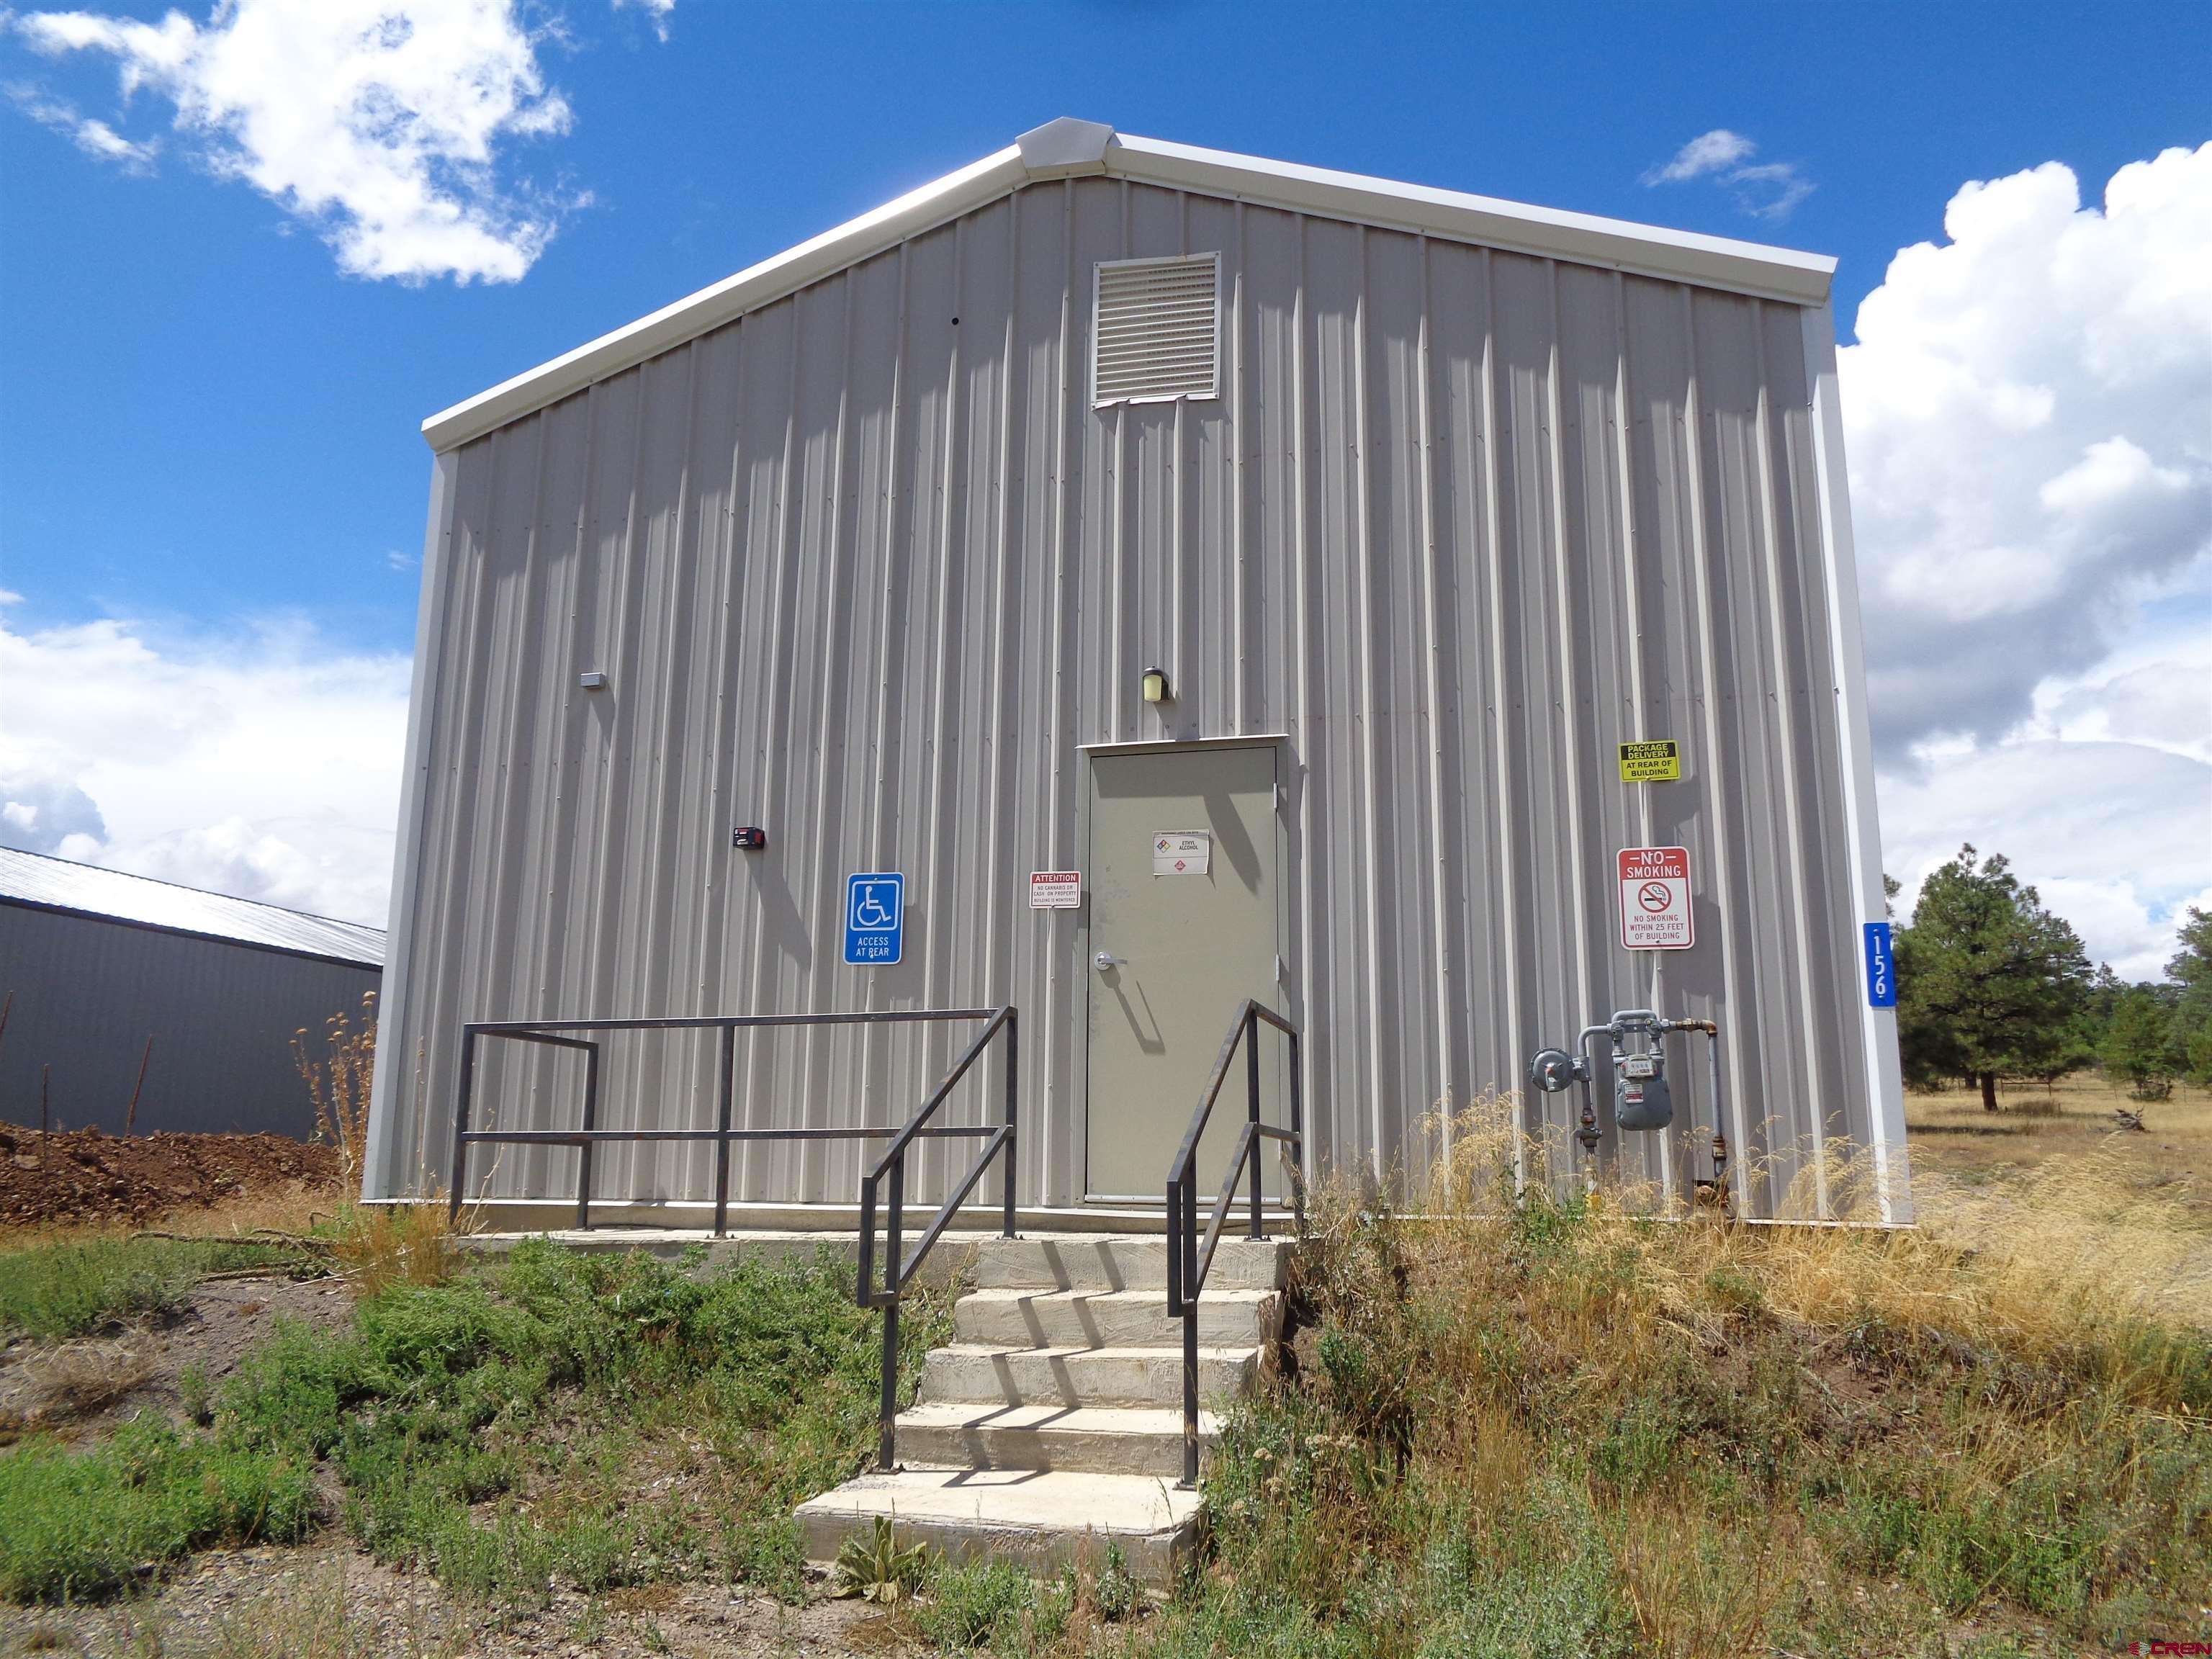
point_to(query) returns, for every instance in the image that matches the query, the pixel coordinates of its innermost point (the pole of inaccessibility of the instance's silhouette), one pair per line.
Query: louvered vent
(1159, 330)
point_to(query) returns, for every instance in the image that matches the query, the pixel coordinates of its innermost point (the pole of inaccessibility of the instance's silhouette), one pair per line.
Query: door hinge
(1282, 970)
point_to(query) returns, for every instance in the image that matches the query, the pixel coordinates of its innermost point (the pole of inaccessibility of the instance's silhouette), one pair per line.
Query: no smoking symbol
(1654, 895)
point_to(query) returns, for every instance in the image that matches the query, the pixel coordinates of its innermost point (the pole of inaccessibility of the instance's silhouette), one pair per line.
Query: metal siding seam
(1239, 555)
(538, 1072)
(999, 980)
(714, 923)
(1861, 823)
(661, 885)
(813, 1165)
(583, 565)
(1718, 795)
(1780, 690)
(380, 1172)
(1632, 591)
(620, 769)
(1365, 711)
(928, 1161)
(1433, 715)
(764, 1054)
(1501, 759)
(1063, 832)
(1312, 1049)
(1178, 455)
(1556, 455)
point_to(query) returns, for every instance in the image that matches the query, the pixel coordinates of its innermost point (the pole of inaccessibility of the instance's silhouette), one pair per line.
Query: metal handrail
(1189, 1263)
(898, 1268)
(548, 1032)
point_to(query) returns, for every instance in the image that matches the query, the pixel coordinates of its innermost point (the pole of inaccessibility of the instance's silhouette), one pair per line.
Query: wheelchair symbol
(870, 914)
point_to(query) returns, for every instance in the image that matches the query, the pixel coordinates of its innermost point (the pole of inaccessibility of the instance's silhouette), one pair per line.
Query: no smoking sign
(1655, 899)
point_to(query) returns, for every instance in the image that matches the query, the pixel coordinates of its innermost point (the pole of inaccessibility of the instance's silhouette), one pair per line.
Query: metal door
(1183, 917)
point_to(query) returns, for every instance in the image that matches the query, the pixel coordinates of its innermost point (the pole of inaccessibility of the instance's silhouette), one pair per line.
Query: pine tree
(2192, 971)
(2141, 1043)
(1990, 983)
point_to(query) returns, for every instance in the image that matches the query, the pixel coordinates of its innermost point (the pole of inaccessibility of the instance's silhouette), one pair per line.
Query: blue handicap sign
(1881, 966)
(875, 919)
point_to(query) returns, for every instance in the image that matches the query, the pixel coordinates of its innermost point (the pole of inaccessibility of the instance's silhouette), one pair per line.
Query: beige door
(1181, 871)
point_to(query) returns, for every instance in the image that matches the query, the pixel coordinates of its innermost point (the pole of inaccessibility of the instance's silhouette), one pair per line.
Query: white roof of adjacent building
(1070, 148)
(51, 884)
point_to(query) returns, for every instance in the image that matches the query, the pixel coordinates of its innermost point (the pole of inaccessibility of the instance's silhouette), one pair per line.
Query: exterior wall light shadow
(1156, 686)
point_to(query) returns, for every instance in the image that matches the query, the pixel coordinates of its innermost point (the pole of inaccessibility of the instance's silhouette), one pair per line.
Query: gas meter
(1641, 1098)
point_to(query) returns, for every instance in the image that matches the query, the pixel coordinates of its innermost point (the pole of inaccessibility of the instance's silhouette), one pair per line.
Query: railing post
(1299, 1135)
(867, 1287)
(1252, 1105)
(461, 1122)
(1190, 1336)
(887, 1407)
(724, 1096)
(591, 1122)
(1175, 1249)
(1013, 1074)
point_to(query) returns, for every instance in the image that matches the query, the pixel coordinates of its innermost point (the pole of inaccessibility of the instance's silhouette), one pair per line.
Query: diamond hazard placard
(1655, 898)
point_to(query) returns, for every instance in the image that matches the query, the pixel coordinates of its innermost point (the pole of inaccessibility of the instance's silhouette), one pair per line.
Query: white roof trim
(1065, 148)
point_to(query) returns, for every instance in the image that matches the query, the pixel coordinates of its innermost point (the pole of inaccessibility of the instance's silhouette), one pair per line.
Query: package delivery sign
(875, 919)
(1655, 898)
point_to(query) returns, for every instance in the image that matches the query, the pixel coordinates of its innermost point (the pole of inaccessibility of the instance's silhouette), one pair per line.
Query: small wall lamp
(1156, 686)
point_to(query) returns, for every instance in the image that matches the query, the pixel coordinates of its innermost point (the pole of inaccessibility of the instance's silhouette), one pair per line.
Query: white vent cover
(1158, 330)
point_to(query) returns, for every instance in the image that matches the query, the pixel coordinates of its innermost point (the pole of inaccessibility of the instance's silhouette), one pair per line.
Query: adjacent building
(115, 986)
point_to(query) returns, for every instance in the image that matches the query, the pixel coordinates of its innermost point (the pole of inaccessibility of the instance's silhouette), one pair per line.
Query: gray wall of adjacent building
(865, 567)
(89, 993)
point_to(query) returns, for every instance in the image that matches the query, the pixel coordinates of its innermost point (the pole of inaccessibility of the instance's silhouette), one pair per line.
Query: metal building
(1419, 505)
(114, 985)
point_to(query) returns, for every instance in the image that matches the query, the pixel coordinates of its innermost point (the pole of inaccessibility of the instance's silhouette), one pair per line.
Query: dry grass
(339, 1082)
(1951, 1135)
(379, 1245)
(1542, 1427)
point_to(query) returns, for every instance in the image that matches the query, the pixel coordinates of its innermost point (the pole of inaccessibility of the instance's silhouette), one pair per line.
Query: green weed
(80, 1524)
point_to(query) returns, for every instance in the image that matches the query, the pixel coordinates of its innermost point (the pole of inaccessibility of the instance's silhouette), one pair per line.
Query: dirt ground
(84, 1177)
(82, 1388)
(329, 1600)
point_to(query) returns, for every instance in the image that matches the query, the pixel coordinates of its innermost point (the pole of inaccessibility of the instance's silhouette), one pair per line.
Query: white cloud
(1766, 190)
(658, 10)
(95, 138)
(380, 122)
(2113, 835)
(2029, 417)
(255, 762)
(2029, 426)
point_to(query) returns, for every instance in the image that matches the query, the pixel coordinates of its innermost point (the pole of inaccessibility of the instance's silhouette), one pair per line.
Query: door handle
(1105, 960)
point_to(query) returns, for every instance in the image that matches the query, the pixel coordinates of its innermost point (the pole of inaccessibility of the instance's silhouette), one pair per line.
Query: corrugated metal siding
(87, 993)
(34, 879)
(866, 569)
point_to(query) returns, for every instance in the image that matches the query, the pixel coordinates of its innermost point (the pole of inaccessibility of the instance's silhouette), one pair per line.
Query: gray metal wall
(88, 993)
(866, 569)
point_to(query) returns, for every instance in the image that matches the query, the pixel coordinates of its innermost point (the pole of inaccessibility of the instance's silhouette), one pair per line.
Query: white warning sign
(1055, 889)
(1655, 898)
(1181, 852)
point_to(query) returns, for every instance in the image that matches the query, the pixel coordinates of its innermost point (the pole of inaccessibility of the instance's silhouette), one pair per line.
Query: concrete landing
(1039, 1519)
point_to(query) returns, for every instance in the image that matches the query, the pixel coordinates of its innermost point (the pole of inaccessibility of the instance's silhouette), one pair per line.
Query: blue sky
(208, 436)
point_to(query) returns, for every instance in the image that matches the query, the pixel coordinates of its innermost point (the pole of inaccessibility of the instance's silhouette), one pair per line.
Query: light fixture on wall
(1156, 686)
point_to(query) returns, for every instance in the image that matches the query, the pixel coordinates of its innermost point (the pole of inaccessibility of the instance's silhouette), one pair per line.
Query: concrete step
(1039, 1520)
(1110, 1319)
(1097, 1440)
(1121, 1264)
(1076, 1377)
